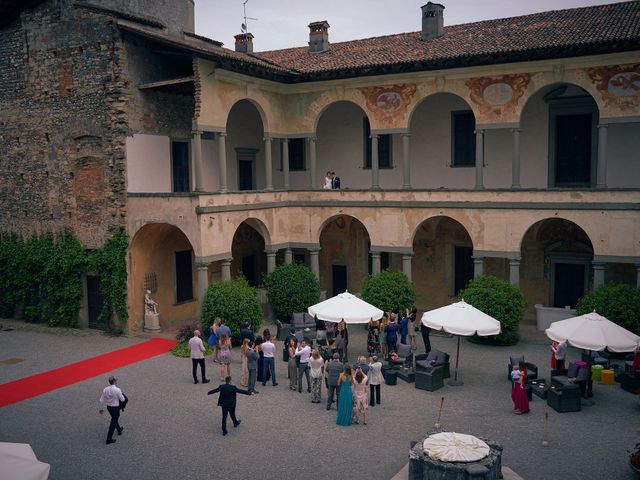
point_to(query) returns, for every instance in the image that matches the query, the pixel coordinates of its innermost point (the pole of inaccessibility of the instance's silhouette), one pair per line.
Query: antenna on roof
(243, 26)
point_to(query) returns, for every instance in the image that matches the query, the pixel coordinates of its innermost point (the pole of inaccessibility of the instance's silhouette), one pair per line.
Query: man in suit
(334, 369)
(335, 181)
(197, 356)
(227, 401)
(252, 366)
(115, 400)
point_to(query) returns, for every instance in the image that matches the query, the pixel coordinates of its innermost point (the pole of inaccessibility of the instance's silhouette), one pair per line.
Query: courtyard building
(508, 147)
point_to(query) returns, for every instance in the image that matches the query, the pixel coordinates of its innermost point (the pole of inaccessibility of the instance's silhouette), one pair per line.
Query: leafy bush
(185, 331)
(182, 349)
(235, 302)
(618, 302)
(500, 299)
(290, 289)
(389, 291)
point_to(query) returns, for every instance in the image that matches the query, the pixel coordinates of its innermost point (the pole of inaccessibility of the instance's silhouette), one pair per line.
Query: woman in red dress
(518, 392)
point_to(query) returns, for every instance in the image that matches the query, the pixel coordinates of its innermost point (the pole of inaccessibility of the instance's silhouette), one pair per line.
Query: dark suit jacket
(228, 393)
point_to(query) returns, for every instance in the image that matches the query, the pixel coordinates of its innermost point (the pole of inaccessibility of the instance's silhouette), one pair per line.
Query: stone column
(406, 162)
(196, 146)
(515, 158)
(601, 170)
(203, 280)
(637, 275)
(285, 162)
(478, 266)
(225, 271)
(598, 274)
(268, 166)
(312, 162)
(479, 159)
(514, 271)
(314, 257)
(222, 160)
(288, 256)
(406, 264)
(375, 173)
(271, 260)
(375, 263)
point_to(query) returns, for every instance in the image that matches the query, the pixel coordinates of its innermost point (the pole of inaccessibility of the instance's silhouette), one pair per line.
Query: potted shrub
(500, 299)
(291, 289)
(389, 291)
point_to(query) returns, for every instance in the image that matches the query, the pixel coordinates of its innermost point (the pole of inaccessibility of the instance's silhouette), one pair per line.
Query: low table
(540, 388)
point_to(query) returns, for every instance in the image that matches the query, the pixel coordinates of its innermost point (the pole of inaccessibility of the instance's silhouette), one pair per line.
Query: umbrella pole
(455, 382)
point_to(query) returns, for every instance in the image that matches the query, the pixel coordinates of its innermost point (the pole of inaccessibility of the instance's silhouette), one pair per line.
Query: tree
(290, 289)
(618, 302)
(500, 299)
(235, 301)
(389, 291)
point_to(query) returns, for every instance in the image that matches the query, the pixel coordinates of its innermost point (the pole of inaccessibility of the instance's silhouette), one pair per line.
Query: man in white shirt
(197, 357)
(269, 364)
(111, 397)
(303, 352)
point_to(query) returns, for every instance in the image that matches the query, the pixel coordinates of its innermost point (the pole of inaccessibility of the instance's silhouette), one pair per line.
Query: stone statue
(149, 305)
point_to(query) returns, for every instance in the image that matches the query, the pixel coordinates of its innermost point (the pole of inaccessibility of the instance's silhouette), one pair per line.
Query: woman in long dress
(373, 337)
(315, 370)
(519, 392)
(244, 377)
(291, 364)
(215, 339)
(345, 402)
(225, 356)
(360, 396)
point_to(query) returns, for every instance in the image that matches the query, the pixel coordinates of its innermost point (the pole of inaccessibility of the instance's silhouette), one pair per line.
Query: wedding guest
(360, 396)
(197, 357)
(213, 337)
(412, 327)
(384, 348)
(227, 402)
(315, 370)
(373, 337)
(392, 335)
(518, 392)
(252, 366)
(345, 398)
(244, 377)
(333, 369)
(375, 380)
(112, 397)
(303, 353)
(246, 332)
(225, 356)
(269, 351)
(560, 353)
(335, 181)
(291, 364)
(342, 328)
(403, 326)
(327, 181)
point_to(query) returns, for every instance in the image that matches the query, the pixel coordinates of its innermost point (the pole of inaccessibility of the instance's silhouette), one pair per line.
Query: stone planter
(545, 316)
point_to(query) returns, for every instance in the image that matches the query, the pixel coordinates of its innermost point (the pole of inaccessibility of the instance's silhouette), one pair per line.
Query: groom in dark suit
(227, 401)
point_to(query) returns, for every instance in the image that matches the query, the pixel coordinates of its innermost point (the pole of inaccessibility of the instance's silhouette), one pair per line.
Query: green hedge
(235, 301)
(500, 299)
(389, 291)
(290, 289)
(618, 302)
(41, 277)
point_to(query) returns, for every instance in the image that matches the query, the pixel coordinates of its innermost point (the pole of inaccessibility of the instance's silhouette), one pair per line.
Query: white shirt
(316, 367)
(111, 397)
(304, 354)
(561, 350)
(197, 348)
(268, 349)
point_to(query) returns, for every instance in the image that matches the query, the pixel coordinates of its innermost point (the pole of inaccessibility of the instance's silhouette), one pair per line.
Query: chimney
(432, 20)
(319, 36)
(244, 42)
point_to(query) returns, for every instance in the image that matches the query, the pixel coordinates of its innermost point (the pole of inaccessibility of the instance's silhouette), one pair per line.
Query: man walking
(303, 352)
(269, 365)
(252, 366)
(227, 401)
(197, 356)
(111, 397)
(334, 368)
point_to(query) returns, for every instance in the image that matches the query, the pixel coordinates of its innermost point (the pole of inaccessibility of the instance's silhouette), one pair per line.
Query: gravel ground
(172, 428)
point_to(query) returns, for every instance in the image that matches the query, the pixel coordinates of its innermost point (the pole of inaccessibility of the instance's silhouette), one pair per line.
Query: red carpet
(40, 383)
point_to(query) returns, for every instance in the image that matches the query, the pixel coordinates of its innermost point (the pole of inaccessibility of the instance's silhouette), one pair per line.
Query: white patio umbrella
(19, 461)
(593, 332)
(347, 307)
(461, 318)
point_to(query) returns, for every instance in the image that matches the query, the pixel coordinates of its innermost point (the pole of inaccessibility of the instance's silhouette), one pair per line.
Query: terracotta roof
(550, 34)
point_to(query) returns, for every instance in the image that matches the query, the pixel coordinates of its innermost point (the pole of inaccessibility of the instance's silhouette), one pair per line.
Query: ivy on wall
(41, 277)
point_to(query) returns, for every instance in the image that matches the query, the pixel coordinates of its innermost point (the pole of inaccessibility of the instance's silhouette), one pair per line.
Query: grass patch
(182, 349)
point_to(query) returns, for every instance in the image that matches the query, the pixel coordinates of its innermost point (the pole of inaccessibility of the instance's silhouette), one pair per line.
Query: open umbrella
(593, 332)
(347, 307)
(460, 318)
(19, 461)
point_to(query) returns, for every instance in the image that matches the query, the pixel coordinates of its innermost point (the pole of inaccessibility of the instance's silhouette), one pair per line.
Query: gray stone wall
(63, 122)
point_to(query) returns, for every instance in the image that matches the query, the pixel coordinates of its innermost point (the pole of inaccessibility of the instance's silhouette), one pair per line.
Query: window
(184, 277)
(180, 166)
(296, 154)
(384, 147)
(463, 139)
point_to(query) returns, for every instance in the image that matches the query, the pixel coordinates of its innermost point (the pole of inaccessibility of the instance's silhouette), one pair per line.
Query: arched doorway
(162, 260)
(245, 147)
(559, 122)
(344, 255)
(442, 261)
(443, 144)
(248, 252)
(556, 263)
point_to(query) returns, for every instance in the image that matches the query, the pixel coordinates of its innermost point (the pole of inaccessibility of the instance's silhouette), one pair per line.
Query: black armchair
(435, 358)
(430, 379)
(630, 382)
(405, 356)
(565, 399)
(532, 368)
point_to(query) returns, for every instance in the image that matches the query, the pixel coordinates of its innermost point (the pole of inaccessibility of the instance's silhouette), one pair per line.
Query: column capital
(479, 131)
(603, 125)
(284, 140)
(406, 135)
(599, 265)
(270, 252)
(377, 254)
(314, 251)
(196, 132)
(227, 260)
(514, 261)
(407, 255)
(374, 135)
(201, 266)
(221, 134)
(313, 139)
(267, 138)
(516, 130)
